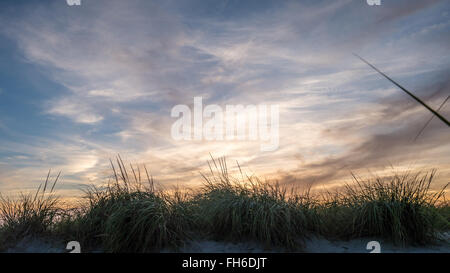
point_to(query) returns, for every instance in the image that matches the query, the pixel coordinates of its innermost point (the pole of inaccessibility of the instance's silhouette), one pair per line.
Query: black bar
(273, 262)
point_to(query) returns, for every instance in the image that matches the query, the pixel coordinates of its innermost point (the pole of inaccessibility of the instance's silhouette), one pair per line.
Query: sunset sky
(80, 84)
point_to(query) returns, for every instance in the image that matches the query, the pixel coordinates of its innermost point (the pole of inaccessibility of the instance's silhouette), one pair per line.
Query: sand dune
(313, 245)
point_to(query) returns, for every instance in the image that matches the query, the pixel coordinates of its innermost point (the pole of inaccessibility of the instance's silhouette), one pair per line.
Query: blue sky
(79, 84)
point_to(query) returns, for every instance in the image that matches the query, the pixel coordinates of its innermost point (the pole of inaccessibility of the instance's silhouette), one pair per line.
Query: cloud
(120, 70)
(76, 110)
(392, 143)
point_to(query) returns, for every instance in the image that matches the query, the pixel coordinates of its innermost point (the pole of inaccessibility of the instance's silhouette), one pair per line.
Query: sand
(313, 245)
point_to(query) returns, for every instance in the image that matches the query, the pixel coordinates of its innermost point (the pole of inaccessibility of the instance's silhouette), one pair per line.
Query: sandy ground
(318, 245)
(35, 245)
(314, 245)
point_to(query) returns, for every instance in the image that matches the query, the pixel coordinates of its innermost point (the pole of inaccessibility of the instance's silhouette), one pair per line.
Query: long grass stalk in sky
(407, 92)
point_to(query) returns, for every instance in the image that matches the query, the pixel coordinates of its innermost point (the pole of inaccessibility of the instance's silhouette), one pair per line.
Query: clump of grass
(250, 209)
(443, 212)
(145, 224)
(29, 215)
(400, 208)
(128, 217)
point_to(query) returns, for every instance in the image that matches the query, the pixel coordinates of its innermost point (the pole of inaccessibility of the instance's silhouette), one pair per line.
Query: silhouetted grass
(130, 215)
(400, 208)
(250, 209)
(29, 215)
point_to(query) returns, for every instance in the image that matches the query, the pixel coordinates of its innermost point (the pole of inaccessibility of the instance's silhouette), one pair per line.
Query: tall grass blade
(407, 92)
(431, 118)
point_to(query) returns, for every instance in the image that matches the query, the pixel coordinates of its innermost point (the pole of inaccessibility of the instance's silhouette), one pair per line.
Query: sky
(81, 84)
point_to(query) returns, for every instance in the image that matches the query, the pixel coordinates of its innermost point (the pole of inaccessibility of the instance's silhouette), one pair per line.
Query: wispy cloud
(119, 67)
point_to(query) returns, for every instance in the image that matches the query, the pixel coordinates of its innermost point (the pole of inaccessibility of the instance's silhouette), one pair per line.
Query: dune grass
(251, 209)
(130, 215)
(29, 215)
(400, 208)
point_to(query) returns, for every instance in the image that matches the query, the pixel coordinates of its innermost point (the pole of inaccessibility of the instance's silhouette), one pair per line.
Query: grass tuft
(401, 209)
(130, 215)
(29, 215)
